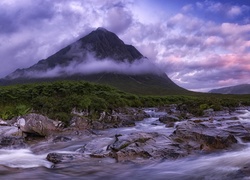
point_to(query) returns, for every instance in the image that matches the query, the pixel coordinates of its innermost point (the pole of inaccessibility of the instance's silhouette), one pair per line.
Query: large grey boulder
(38, 124)
(202, 136)
(136, 146)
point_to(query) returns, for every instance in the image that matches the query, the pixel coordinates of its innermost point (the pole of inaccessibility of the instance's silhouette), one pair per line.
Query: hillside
(239, 89)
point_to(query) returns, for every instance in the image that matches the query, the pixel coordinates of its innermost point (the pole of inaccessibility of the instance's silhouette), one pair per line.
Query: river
(31, 163)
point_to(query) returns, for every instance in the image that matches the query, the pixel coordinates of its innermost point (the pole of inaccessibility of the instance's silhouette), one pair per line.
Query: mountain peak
(106, 44)
(101, 29)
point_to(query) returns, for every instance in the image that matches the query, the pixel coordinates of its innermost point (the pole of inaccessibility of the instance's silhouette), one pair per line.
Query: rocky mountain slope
(239, 89)
(103, 58)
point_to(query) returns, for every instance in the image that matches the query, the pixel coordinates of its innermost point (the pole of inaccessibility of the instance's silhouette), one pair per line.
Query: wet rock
(134, 114)
(61, 139)
(95, 155)
(129, 147)
(80, 122)
(135, 146)
(130, 154)
(246, 139)
(114, 121)
(54, 157)
(193, 136)
(12, 142)
(169, 120)
(208, 112)
(120, 117)
(97, 125)
(122, 142)
(3, 123)
(244, 171)
(237, 129)
(63, 157)
(38, 124)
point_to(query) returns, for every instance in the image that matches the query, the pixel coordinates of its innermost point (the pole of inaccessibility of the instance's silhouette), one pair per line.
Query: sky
(200, 44)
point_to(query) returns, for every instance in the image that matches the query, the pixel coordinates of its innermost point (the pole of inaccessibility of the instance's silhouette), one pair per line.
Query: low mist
(91, 65)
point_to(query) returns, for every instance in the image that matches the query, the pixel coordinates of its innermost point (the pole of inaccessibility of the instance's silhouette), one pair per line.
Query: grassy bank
(57, 99)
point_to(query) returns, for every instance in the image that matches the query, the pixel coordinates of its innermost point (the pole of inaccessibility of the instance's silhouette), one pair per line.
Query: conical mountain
(103, 58)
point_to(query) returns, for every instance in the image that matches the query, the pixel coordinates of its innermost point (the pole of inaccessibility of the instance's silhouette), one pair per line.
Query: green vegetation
(57, 99)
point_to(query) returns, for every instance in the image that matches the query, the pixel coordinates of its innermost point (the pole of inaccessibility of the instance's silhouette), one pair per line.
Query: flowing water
(32, 164)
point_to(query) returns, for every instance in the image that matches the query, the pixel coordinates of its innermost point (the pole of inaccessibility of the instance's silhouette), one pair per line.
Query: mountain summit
(99, 57)
(108, 45)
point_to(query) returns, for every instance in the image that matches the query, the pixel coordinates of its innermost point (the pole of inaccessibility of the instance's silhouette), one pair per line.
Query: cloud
(91, 65)
(199, 45)
(225, 9)
(187, 8)
(234, 11)
(117, 19)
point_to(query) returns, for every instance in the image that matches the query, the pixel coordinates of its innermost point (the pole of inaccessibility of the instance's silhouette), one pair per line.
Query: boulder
(80, 122)
(3, 123)
(113, 122)
(38, 124)
(169, 120)
(198, 136)
(136, 146)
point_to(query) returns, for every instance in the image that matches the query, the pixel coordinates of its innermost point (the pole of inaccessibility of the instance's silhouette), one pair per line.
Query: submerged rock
(63, 157)
(12, 142)
(61, 139)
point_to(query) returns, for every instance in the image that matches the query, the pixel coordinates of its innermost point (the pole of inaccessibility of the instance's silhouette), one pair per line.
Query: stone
(38, 124)
(136, 146)
(64, 157)
(3, 123)
(61, 139)
(12, 142)
(169, 120)
(80, 122)
(194, 136)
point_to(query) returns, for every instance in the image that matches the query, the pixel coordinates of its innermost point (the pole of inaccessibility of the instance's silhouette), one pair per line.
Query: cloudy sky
(200, 44)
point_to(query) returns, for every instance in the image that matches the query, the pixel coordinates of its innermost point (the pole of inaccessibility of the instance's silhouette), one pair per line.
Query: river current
(31, 163)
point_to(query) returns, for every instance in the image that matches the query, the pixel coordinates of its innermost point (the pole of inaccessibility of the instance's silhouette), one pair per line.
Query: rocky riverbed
(128, 143)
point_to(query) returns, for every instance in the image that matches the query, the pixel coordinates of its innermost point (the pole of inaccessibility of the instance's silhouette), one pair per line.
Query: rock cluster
(188, 136)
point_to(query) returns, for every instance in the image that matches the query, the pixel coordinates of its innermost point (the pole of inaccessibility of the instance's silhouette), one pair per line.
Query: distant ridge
(238, 89)
(103, 47)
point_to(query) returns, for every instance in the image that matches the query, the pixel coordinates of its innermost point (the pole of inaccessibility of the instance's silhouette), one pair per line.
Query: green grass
(57, 99)
(146, 84)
